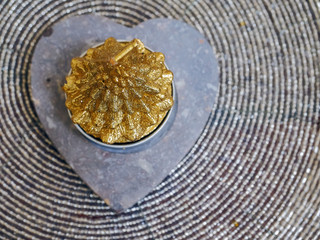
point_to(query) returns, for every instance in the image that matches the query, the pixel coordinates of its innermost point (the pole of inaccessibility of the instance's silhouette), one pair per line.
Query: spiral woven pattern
(255, 170)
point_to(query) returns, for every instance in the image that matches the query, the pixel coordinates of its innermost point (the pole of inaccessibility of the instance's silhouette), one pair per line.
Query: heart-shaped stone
(121, 179)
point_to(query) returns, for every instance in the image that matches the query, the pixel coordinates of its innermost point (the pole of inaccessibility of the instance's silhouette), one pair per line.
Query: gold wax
(119, 92)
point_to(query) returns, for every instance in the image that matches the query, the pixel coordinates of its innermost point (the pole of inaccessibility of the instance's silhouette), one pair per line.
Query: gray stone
(121, 179)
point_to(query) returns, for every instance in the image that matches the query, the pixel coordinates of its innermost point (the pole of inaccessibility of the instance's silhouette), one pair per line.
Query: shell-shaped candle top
(119, 92)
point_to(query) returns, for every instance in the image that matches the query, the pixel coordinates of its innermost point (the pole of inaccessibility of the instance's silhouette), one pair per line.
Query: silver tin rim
(146, 141)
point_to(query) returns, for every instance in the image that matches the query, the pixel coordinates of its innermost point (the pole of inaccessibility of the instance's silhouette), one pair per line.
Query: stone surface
(122, 179)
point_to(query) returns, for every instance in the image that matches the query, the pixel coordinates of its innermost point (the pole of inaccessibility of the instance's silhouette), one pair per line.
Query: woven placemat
(255, 171)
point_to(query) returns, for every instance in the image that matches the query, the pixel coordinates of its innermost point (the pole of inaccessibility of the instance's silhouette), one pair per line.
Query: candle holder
(122, 173)
(144, 86)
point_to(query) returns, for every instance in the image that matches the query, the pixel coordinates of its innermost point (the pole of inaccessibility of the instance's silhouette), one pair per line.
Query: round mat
(255, 170)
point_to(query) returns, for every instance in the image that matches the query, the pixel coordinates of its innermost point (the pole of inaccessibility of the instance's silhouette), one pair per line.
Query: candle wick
(135, 43)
